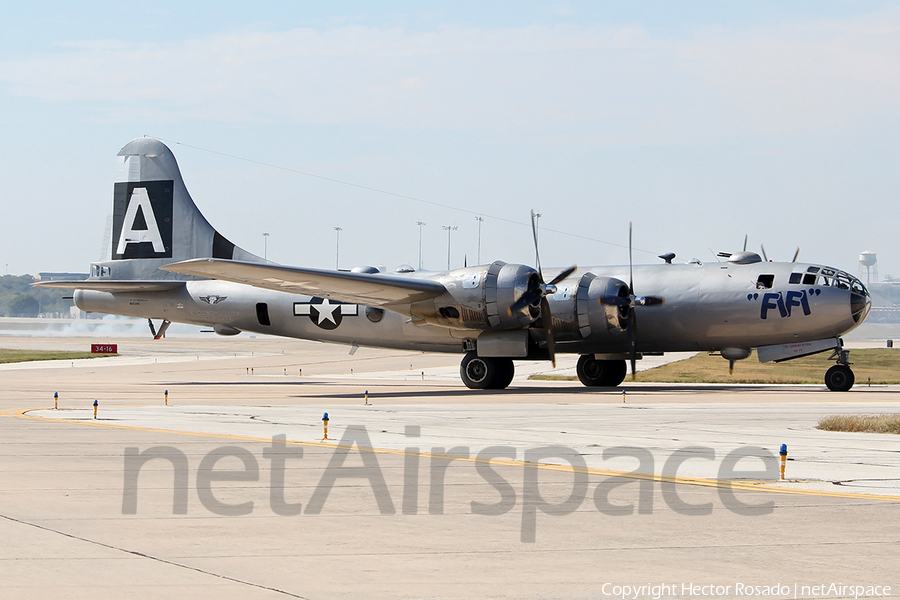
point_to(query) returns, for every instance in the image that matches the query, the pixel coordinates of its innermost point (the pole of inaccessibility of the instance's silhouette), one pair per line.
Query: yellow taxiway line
(711, 483)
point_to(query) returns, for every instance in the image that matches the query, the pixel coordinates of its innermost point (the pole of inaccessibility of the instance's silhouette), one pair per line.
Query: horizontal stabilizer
(370, 289)
(113, 286)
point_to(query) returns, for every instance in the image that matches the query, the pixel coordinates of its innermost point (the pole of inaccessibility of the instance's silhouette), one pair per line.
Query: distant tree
(23, 305)
(49, 300)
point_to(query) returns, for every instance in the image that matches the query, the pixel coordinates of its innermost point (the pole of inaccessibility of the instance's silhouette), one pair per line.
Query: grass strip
(881, 364)
(861, 423)
(16, 356)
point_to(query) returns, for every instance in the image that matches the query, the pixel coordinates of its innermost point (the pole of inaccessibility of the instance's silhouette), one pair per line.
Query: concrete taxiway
(68, 532)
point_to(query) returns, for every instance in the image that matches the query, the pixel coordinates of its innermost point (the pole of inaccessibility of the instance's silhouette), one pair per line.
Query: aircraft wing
(369, 289)
(112, 285)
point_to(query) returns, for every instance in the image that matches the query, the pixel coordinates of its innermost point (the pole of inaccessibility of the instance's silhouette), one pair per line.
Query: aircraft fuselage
(707, 307)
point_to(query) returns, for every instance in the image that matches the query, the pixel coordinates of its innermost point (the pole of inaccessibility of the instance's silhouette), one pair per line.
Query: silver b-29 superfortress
(168, 263)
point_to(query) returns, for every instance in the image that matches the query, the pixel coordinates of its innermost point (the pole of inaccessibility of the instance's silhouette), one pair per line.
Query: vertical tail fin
(155, 222)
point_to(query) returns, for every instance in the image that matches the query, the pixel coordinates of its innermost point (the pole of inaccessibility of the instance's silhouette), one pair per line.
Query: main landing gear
(492, 373)
(840, 378)
(486, 372)
(600, 373)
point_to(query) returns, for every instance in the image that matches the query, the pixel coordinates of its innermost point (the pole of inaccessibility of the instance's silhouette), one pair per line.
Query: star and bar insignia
(325, 313)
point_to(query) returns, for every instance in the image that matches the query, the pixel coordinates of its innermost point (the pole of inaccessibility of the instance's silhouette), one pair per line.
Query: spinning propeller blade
(537, 256)
(632, 318)
(547, 322)
(630, 263)
(565, 273)
(540, 292)
(631, 301)
(632, 342)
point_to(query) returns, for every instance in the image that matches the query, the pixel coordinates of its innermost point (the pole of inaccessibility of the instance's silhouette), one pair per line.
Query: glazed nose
(860, 303)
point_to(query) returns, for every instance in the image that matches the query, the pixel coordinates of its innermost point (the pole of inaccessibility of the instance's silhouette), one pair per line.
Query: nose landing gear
(840, 378)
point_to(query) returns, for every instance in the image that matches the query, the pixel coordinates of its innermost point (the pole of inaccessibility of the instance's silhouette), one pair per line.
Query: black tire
(486, 373)
(506, 370)
(600, 373)
(839, 378)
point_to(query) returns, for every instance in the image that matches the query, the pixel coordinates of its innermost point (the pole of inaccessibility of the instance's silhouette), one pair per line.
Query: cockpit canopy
(860, 301)
(827, 277)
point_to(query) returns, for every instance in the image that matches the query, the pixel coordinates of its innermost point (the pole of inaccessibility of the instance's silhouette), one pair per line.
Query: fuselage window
(796, 277)
(809, 279)
(765, 282)
(98, 271)
(262, 314)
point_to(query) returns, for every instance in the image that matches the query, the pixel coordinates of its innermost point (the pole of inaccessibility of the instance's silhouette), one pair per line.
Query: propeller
(631, 301)
(745, 242)
(766, 258)
(538, 294)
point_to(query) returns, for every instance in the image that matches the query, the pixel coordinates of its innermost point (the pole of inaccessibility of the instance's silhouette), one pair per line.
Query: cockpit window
(840, 280)
(812, 270)
(809, 279)
(765, 282)
(796, 278)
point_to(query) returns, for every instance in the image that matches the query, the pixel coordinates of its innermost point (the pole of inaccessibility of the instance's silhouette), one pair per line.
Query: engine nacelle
(479, 298)
(595, 318)
(578, 312)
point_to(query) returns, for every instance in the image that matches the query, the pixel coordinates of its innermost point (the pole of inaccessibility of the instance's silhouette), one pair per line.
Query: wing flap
(113, 286)
(370, 289)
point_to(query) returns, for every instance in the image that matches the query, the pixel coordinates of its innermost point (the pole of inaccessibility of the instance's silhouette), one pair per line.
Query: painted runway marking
(749, 486)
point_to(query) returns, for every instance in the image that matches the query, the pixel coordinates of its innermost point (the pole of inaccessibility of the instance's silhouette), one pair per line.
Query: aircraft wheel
(505, 372)
(839, 378)
(600, 373)
(484, 373)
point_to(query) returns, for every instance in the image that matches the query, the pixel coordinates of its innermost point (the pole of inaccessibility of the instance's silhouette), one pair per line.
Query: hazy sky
(699, 121)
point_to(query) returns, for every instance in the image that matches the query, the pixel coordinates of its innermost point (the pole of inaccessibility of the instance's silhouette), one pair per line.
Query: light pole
(265, 246)
(448, 229)
(480, 221)
(421, 224)
(337, 248)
